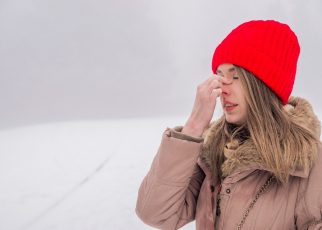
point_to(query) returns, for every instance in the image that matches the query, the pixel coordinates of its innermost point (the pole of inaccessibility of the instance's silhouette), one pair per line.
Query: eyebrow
(232, 69)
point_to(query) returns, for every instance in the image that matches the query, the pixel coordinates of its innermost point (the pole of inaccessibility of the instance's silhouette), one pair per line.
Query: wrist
(190, 128)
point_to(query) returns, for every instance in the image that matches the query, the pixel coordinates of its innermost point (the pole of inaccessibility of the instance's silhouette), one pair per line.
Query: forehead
(226, 67)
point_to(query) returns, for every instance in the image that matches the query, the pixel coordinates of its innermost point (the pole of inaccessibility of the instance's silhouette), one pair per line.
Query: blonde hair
(281, 143)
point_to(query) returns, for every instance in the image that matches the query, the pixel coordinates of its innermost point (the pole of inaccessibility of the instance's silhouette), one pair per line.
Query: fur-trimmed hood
(242, 156)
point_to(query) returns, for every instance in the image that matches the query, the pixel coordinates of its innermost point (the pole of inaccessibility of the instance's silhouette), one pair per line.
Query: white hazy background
(87, 88)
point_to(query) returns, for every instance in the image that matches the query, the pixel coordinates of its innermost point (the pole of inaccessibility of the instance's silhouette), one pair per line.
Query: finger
(212, 82)
(219, 77)
(214, 78)
(216, 93)
(225, 80)
(208, 84)
(215, 84)
(208, 80)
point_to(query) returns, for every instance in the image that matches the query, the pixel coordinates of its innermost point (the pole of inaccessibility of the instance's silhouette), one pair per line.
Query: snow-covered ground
(76, 175)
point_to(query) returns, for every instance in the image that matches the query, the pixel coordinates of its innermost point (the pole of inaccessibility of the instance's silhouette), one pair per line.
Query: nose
(225, 89)
(227, 80)
(226, 85)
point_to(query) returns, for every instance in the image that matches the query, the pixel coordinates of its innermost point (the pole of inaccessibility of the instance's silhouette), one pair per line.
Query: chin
(234, 121)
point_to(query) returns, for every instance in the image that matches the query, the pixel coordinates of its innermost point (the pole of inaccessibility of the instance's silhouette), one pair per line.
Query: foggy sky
(74, 60)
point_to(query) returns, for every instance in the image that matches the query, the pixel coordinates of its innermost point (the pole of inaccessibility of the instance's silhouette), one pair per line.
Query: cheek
(244, 111)
(243, 106)
(242, 96)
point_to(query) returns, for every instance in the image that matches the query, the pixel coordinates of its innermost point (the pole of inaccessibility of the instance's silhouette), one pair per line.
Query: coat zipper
(218, 211)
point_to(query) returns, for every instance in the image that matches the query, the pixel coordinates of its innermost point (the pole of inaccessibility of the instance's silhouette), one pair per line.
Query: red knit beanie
(268, 49)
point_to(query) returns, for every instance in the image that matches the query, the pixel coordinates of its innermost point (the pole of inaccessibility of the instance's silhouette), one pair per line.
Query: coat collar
(239, 158)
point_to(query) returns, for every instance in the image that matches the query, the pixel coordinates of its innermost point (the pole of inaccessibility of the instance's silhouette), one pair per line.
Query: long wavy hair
(279, 141)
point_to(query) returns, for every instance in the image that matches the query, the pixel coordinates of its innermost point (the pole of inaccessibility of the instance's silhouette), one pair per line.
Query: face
(233, 95)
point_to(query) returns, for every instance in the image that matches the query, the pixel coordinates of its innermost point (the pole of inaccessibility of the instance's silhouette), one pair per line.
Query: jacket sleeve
(168, 194)
(309, 206)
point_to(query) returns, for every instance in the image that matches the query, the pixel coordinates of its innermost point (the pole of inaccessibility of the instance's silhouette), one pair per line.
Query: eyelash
(234, 77)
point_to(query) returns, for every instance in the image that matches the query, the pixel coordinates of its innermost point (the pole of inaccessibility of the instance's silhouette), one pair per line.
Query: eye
(235, 77)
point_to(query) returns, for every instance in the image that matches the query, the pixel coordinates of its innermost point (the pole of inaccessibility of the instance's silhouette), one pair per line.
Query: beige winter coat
(180, 188)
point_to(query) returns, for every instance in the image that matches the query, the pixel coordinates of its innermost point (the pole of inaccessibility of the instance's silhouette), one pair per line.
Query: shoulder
(314, 178)
(315, 175)
(309, 203)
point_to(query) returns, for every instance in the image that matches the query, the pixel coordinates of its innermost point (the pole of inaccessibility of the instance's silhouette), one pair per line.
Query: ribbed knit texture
(269, 49)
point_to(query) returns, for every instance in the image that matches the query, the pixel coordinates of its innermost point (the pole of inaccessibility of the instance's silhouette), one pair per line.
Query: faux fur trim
(245, 155)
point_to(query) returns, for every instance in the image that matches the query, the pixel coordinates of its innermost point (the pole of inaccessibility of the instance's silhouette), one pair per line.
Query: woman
(260, 165)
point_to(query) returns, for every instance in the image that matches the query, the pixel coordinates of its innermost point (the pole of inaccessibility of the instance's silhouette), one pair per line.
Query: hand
(204, 106)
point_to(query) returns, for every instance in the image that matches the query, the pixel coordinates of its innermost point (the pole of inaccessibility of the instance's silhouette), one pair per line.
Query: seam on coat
(182, 205)
(308, 214)
(182, 209)
(298, 199)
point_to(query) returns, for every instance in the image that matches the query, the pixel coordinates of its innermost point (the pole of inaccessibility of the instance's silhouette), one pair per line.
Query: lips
(229, 104)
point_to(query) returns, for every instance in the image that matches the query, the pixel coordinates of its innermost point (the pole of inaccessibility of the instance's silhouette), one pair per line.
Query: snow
(78, 174)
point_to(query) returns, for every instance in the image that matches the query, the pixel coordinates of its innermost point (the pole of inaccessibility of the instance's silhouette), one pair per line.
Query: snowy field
(76, 175)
